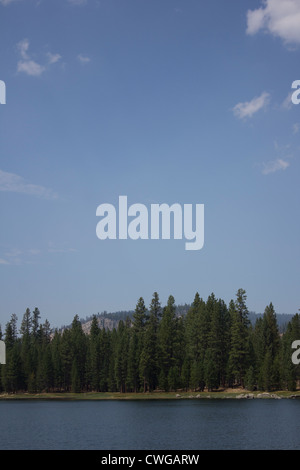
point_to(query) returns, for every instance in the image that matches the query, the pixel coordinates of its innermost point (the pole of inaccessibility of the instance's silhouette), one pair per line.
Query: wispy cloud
(6, 2)
(278, 18)
(249, 108)
(17, 184)
(53, 58)
(62, 250)
(17, 257)
(83, 59)
(72, 2)
(13, 253)
(275, 165)
(287, 102)
(13, 257)
(34, 251)
(77, 2)
(23, 47)
(296, 128)
(29, 66)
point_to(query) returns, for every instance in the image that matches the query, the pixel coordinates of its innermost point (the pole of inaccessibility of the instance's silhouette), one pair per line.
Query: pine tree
(239, 348)
(140, 317)
(78, 352)
(26, 346)
(45, 371)
(214, 355)
(211, 373)
(121, 356)
(26, 324)
(35, 323)
(133, 374)
(58, 380)
(93, 356)
(149, 353)
(197, 378)
(166, 335)
(250, 379)
(155, 308)
(266, 342)
(185, 377)
(111, 376)
(105, 354)
(35, 340)
(13, 372)
(75, 377)
(66, 356)
(11, 332)
(173, 378)
(196, 325)
(179, 347)
(271, 347)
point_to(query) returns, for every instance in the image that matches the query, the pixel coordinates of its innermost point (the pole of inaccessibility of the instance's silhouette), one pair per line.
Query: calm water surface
(151, 425)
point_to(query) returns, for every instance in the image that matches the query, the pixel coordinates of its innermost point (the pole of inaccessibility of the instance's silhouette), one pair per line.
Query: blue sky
(165, 102)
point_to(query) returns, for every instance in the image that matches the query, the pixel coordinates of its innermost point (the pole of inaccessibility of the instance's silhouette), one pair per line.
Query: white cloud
(23, 47)
(29, 66)
(287, 103)
(296, 128)
(3, 261)
(83, 59)
(15, 183)
(53, 58)
(248, 108)
(275, 165)
(280, 18)
(255, 20)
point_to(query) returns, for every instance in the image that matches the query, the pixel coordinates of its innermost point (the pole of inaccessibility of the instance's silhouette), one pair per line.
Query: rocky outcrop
(245, 395)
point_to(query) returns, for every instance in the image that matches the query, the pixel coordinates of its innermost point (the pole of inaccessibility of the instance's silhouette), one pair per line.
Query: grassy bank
(229, 394)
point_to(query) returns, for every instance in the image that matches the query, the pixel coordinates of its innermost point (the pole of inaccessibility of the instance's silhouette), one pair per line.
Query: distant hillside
(110, 321)
(282, 319)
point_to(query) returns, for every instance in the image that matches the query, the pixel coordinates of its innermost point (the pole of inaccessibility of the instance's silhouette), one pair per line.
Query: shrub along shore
(224, 394)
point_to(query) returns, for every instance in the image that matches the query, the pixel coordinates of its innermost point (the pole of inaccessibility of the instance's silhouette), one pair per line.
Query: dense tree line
(211, 347)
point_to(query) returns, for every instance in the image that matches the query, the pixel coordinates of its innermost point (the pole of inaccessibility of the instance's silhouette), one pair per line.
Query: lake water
(151, 425)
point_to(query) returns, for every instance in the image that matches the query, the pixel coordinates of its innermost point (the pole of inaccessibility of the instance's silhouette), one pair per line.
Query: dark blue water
(151, 425)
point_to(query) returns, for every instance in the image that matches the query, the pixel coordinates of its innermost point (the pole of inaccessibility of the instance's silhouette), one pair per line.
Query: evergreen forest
(213, 346)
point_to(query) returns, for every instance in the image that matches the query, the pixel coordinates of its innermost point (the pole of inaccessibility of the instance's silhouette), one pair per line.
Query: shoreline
(96, 396)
